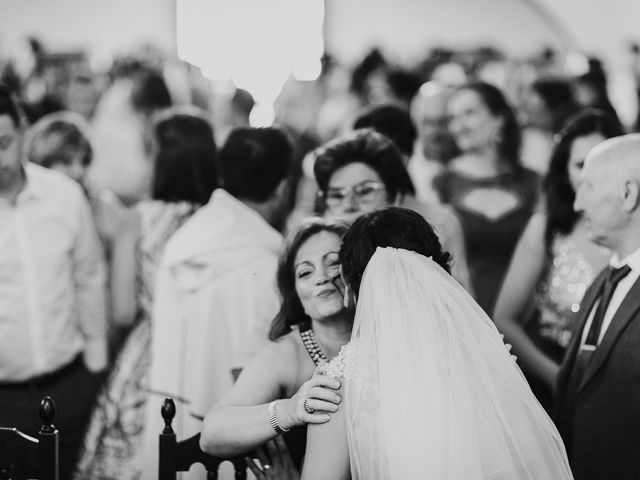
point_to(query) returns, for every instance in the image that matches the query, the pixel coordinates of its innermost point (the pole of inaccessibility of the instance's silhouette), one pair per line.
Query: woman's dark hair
(374, 60)
(557, 96)
(392, 121)
(150, 92)
(291, 311)
(185, 162)
(57, 137)
(559, 194)
(389, 227)
(596, 82)
(10, 106)
(365, 146)
(510, 139)
(403, 84)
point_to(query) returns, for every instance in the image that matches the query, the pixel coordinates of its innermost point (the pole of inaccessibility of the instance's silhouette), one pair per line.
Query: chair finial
(168, 411)
(47, 414)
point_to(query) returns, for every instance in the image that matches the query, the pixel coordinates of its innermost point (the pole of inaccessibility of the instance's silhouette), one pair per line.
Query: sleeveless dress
(114, 436)
(489, 242)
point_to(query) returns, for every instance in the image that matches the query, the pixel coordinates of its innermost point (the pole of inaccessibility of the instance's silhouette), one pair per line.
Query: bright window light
(257, 44)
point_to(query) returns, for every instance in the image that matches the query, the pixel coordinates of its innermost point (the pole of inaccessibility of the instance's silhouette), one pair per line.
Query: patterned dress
(114, 436)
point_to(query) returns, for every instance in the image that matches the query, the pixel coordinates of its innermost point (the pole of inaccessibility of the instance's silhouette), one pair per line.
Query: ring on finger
(307, 408)
(266, 467)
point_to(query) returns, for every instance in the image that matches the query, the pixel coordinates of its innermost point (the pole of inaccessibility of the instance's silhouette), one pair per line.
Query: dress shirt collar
(32, 186)
(633, 260)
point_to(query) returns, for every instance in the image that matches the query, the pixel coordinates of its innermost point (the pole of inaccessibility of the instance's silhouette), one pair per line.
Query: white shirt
(422, 172)
(215, 298)
(621, 291)
(52, 276)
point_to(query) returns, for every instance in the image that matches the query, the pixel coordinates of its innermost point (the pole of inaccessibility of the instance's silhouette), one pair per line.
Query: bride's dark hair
(389, 227)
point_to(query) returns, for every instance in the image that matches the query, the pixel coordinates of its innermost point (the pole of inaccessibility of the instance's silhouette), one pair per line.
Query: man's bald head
(616, 158)
(429, 113)
(432, 97)
(609, 193)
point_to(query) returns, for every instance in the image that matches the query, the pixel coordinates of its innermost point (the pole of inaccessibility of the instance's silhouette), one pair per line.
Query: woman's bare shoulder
(277, 361)
(284, 348)
(289, 354)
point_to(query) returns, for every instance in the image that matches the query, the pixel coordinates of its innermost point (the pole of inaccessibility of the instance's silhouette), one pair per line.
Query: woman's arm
(327, 455)
(527, 265)
(240, 421)
(454, 241)
(122, 266)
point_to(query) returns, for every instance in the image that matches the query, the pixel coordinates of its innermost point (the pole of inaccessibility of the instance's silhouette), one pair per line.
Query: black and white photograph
(319, 239)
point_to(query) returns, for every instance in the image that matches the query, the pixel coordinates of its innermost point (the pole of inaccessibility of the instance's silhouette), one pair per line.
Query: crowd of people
(340, 284)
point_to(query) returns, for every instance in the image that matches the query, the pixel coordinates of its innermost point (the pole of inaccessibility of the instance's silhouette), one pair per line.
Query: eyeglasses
(364, 193)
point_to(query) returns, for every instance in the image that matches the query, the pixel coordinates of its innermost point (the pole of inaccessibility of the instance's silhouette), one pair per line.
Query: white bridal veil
(432, 392)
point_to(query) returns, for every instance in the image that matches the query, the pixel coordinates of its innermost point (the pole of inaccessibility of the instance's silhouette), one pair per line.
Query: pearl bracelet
(273, 419)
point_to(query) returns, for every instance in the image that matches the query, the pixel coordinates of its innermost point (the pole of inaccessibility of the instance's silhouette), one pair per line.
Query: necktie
(612, 280)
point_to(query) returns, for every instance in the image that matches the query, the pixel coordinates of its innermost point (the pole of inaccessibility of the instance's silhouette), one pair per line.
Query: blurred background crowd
(482, 132)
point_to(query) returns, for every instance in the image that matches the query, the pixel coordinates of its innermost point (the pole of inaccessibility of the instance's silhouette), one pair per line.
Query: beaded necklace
(310, 342)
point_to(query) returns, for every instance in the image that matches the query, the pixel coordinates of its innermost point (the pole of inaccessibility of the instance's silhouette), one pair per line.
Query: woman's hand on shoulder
(313, 401)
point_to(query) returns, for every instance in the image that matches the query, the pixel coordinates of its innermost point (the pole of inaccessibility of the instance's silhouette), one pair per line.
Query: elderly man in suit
(599, 383)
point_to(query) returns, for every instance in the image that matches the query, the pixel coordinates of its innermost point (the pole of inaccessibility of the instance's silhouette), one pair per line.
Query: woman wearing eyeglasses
(363, 171)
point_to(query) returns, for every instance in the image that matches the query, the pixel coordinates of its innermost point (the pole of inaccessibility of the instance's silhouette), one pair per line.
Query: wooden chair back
(23, 457)
(180, 456)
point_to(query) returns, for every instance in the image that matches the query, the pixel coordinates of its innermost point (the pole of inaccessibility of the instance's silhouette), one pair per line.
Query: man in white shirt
(598, 410)
(52, 294)
(216, 293)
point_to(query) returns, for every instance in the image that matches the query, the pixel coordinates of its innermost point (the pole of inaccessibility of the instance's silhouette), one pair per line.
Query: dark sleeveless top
(489, 242)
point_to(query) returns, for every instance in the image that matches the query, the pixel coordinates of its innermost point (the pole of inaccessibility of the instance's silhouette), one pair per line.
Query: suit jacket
(601, 426)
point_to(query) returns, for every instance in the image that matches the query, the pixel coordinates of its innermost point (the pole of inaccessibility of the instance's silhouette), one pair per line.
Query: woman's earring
(345, 297)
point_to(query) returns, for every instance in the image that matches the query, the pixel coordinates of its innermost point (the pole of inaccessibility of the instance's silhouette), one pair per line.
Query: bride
(430, 389)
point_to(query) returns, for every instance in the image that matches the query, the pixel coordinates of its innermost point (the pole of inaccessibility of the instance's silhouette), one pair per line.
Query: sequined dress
(559, 294)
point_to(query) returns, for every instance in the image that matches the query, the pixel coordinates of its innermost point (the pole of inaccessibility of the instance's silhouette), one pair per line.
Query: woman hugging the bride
(430, 389)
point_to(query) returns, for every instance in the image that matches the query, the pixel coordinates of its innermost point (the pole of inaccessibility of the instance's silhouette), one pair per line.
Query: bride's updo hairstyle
(389, 227)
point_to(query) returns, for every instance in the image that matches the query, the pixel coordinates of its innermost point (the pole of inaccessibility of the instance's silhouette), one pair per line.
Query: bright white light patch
(256, 43)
